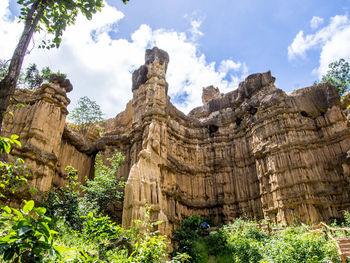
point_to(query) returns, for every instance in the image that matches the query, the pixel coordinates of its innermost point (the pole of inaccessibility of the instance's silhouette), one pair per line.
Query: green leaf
(7, 209)
(23, 230)
(44, 227)
(14, 137)
(40, 211)
(18, 213)
(28, 206)
(7, 146)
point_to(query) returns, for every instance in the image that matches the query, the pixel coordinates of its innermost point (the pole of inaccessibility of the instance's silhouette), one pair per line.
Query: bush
(187, 236)
(12, 174)
(347, 218)
(64, 202)
(296, 244)
(244, 242)
(29, 237)
(102, 190)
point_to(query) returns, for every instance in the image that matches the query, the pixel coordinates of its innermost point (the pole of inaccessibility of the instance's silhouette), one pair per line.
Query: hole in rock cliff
(238, 121)
(252, 110)
(304, 114)
(212, 129)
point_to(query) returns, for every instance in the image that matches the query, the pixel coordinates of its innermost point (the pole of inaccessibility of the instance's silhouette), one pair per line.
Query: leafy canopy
(86, 113)
(32, 77)
(339, 75)
(57, 15)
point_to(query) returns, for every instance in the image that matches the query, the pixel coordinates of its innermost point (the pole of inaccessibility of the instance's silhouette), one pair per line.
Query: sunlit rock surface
(255, 152)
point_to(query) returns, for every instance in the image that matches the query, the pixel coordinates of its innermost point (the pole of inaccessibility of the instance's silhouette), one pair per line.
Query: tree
(86, 113)
(54, 16)
(3, 68)
(103, 189)
(33, 78)
(339, 75)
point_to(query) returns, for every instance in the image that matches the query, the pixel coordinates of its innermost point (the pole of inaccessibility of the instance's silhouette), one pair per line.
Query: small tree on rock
(339, 75)
(86, 114)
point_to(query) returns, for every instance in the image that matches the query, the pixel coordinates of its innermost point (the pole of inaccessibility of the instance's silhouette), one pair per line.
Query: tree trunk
(8, 84)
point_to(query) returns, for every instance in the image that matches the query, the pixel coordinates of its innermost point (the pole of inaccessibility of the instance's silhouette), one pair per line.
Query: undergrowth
(71, 228)
(244, 242)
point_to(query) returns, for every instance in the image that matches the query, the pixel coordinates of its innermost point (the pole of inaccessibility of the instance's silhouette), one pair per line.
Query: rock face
(48, 145)
(210, 93)
(254, 152)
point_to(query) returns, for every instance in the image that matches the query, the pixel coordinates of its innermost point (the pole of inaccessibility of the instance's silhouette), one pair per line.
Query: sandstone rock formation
(254, 152)
(48, 145)
(210, 93)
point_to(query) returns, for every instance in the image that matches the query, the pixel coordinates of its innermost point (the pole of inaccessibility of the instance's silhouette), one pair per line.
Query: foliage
(187, 236)
(12, 174)
(30, 236)
(3, 68)
(244, 242)
(347, 218)
(102, 190)
(31, 77)
(57, 16)
(299, 245)
(99, 228)
(86, 113)
(64, 202)
(151, 247)
(6, 143)
(339, 75)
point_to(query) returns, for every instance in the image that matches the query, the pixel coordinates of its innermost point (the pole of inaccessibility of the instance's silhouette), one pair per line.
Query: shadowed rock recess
(254, 152)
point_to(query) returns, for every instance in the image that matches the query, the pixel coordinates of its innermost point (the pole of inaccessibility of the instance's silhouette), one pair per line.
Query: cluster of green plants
(74, 201)
(86, 114)
(13, 174)
(243, 241)
(74, 228)
(31, 77)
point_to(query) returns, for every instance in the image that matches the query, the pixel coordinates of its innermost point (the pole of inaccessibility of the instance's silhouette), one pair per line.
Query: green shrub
(347, 218)
(150, 246)
(102, 190)
(100, 228)
(296, 244)
(245, 241)
(187, 236)
(12, 174)
(30, 237)
(64, 202)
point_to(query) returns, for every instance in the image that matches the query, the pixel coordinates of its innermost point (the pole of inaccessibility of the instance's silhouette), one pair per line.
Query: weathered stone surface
(210, 93)
(254, 152)
(48, 145)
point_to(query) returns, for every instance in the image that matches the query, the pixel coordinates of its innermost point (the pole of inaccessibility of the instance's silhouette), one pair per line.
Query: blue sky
(256, 32)
(209, 42)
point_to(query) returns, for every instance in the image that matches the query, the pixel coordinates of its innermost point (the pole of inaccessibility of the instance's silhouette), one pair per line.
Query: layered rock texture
(48, 144)
(254, 152)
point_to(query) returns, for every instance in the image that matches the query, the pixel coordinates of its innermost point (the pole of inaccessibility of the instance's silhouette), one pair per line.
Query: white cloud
(195, 31)
(9, 30)
(100, 67)
(316, 21)
(333, 41)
